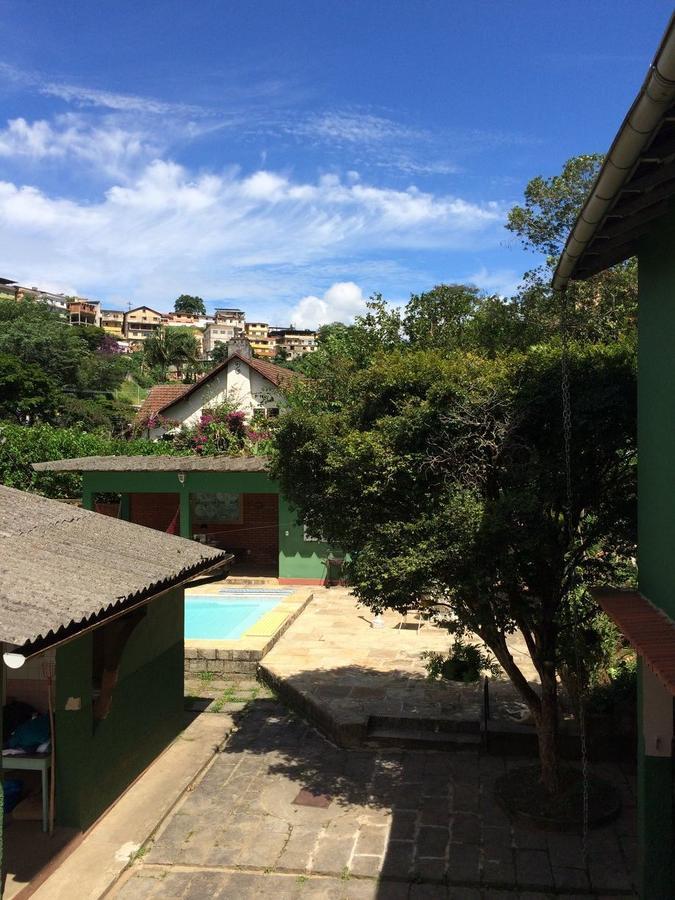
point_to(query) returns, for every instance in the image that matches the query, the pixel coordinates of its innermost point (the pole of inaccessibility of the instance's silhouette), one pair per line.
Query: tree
(220, 353)
(451, 467)
(439, 318)
(601, 309)
(190, 305)
(552, 205)
(168, 347)
(26, 392)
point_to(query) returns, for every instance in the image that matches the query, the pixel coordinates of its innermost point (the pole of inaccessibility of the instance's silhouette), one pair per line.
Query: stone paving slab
(403, 823)
(339, 671)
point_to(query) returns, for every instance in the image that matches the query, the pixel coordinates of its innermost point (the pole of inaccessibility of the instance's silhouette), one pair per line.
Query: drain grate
(311, 798)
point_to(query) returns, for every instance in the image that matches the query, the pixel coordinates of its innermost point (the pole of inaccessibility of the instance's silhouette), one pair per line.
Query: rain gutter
(656, 96)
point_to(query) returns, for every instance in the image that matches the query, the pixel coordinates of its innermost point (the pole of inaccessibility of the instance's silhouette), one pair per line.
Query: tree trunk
(547, 729)
(543, 707)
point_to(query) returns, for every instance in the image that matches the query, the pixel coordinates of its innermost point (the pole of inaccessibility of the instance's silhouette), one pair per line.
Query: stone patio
(282, 813)
(342, 674)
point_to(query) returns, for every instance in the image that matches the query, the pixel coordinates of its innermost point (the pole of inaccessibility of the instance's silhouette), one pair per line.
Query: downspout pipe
(656, 96)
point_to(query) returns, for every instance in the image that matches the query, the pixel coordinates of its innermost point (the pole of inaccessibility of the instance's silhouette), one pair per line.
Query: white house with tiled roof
(255, 386)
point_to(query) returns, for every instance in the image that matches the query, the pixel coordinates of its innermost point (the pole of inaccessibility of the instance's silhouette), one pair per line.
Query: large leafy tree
(442, 476)
(189, 305)
(603, 308)
(27, 393)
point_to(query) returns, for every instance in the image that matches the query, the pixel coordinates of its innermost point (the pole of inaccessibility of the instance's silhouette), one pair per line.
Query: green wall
(298, 559)
(95, 763)
(656, 526)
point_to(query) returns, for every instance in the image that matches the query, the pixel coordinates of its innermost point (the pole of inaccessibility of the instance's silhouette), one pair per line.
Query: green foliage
(26, 392)
(618, 689)
(20, 446)
(465, 662)
(168, 347)
(109, 416)
(441, 317)
(451, 467)
(189, 305)
(552, 205)
(38, 336)
(53, 372)
(219, 354)
(223, 429)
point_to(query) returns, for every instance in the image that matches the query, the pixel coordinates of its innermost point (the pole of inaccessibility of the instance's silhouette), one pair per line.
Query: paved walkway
(331, 662)
(282, 813)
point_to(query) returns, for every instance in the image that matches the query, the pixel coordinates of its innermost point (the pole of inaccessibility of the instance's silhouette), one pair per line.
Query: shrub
(22, 445)
(465, 662)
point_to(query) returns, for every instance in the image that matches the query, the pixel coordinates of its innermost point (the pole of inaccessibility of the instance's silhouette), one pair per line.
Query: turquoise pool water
(229, 613)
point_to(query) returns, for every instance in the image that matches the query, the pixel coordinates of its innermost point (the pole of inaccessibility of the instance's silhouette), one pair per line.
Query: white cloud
(340, 303)
(169, 227)
(107, 147)
(504, 282)
(354, 128)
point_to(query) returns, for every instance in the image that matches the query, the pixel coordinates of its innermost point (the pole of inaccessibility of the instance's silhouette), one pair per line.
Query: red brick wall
(154, 510)
(258, 533)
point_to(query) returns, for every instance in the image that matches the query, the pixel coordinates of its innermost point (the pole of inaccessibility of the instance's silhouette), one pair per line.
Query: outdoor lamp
(13, 660)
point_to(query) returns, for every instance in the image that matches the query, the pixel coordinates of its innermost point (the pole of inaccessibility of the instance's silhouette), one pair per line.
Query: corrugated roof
(155, 464)
(62, 566)
(159, 395)
(647, 628)
(276, 375)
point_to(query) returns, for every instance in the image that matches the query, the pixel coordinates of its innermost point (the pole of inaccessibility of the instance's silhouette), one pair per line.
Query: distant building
(184, 320)
(294, 342)
(57, 302)
(84, 312)
(7, 289)
(236, 318)
(262, 343)
(112, 320)
(141, 322)
(255, 386)
(218, 333)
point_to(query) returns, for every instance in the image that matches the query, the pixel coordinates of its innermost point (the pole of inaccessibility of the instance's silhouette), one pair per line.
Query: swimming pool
(229, 613)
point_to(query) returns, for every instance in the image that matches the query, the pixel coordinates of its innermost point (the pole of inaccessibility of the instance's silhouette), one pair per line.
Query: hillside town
(133, 326)
(376, 604)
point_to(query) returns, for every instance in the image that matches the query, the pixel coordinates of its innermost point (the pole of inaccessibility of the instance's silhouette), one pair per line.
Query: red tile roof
(159, 396)
(647, 628)
(276, 375)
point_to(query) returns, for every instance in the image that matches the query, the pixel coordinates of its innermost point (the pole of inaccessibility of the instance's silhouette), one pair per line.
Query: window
(272, 412)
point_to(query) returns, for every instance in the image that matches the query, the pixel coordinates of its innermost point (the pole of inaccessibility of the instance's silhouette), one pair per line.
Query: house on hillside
(630, 211)
(140, 323)
(91, 620)
(255, 386)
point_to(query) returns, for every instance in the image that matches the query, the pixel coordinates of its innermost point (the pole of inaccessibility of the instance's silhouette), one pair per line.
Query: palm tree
(171, 347)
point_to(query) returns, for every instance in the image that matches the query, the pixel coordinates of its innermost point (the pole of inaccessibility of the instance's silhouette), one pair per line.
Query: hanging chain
(567, 437)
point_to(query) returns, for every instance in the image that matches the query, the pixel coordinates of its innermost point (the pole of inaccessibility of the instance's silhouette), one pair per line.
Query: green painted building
(631, 212)
(91, 620)
(229, 502)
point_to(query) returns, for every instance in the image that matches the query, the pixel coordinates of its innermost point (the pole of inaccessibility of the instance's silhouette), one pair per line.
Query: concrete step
(408, 739)
(434, 726)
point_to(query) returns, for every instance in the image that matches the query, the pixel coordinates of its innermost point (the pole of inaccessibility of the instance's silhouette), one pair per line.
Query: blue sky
(294, 157)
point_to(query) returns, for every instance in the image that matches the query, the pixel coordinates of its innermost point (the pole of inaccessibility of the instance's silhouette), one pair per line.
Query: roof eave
(654, 99)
